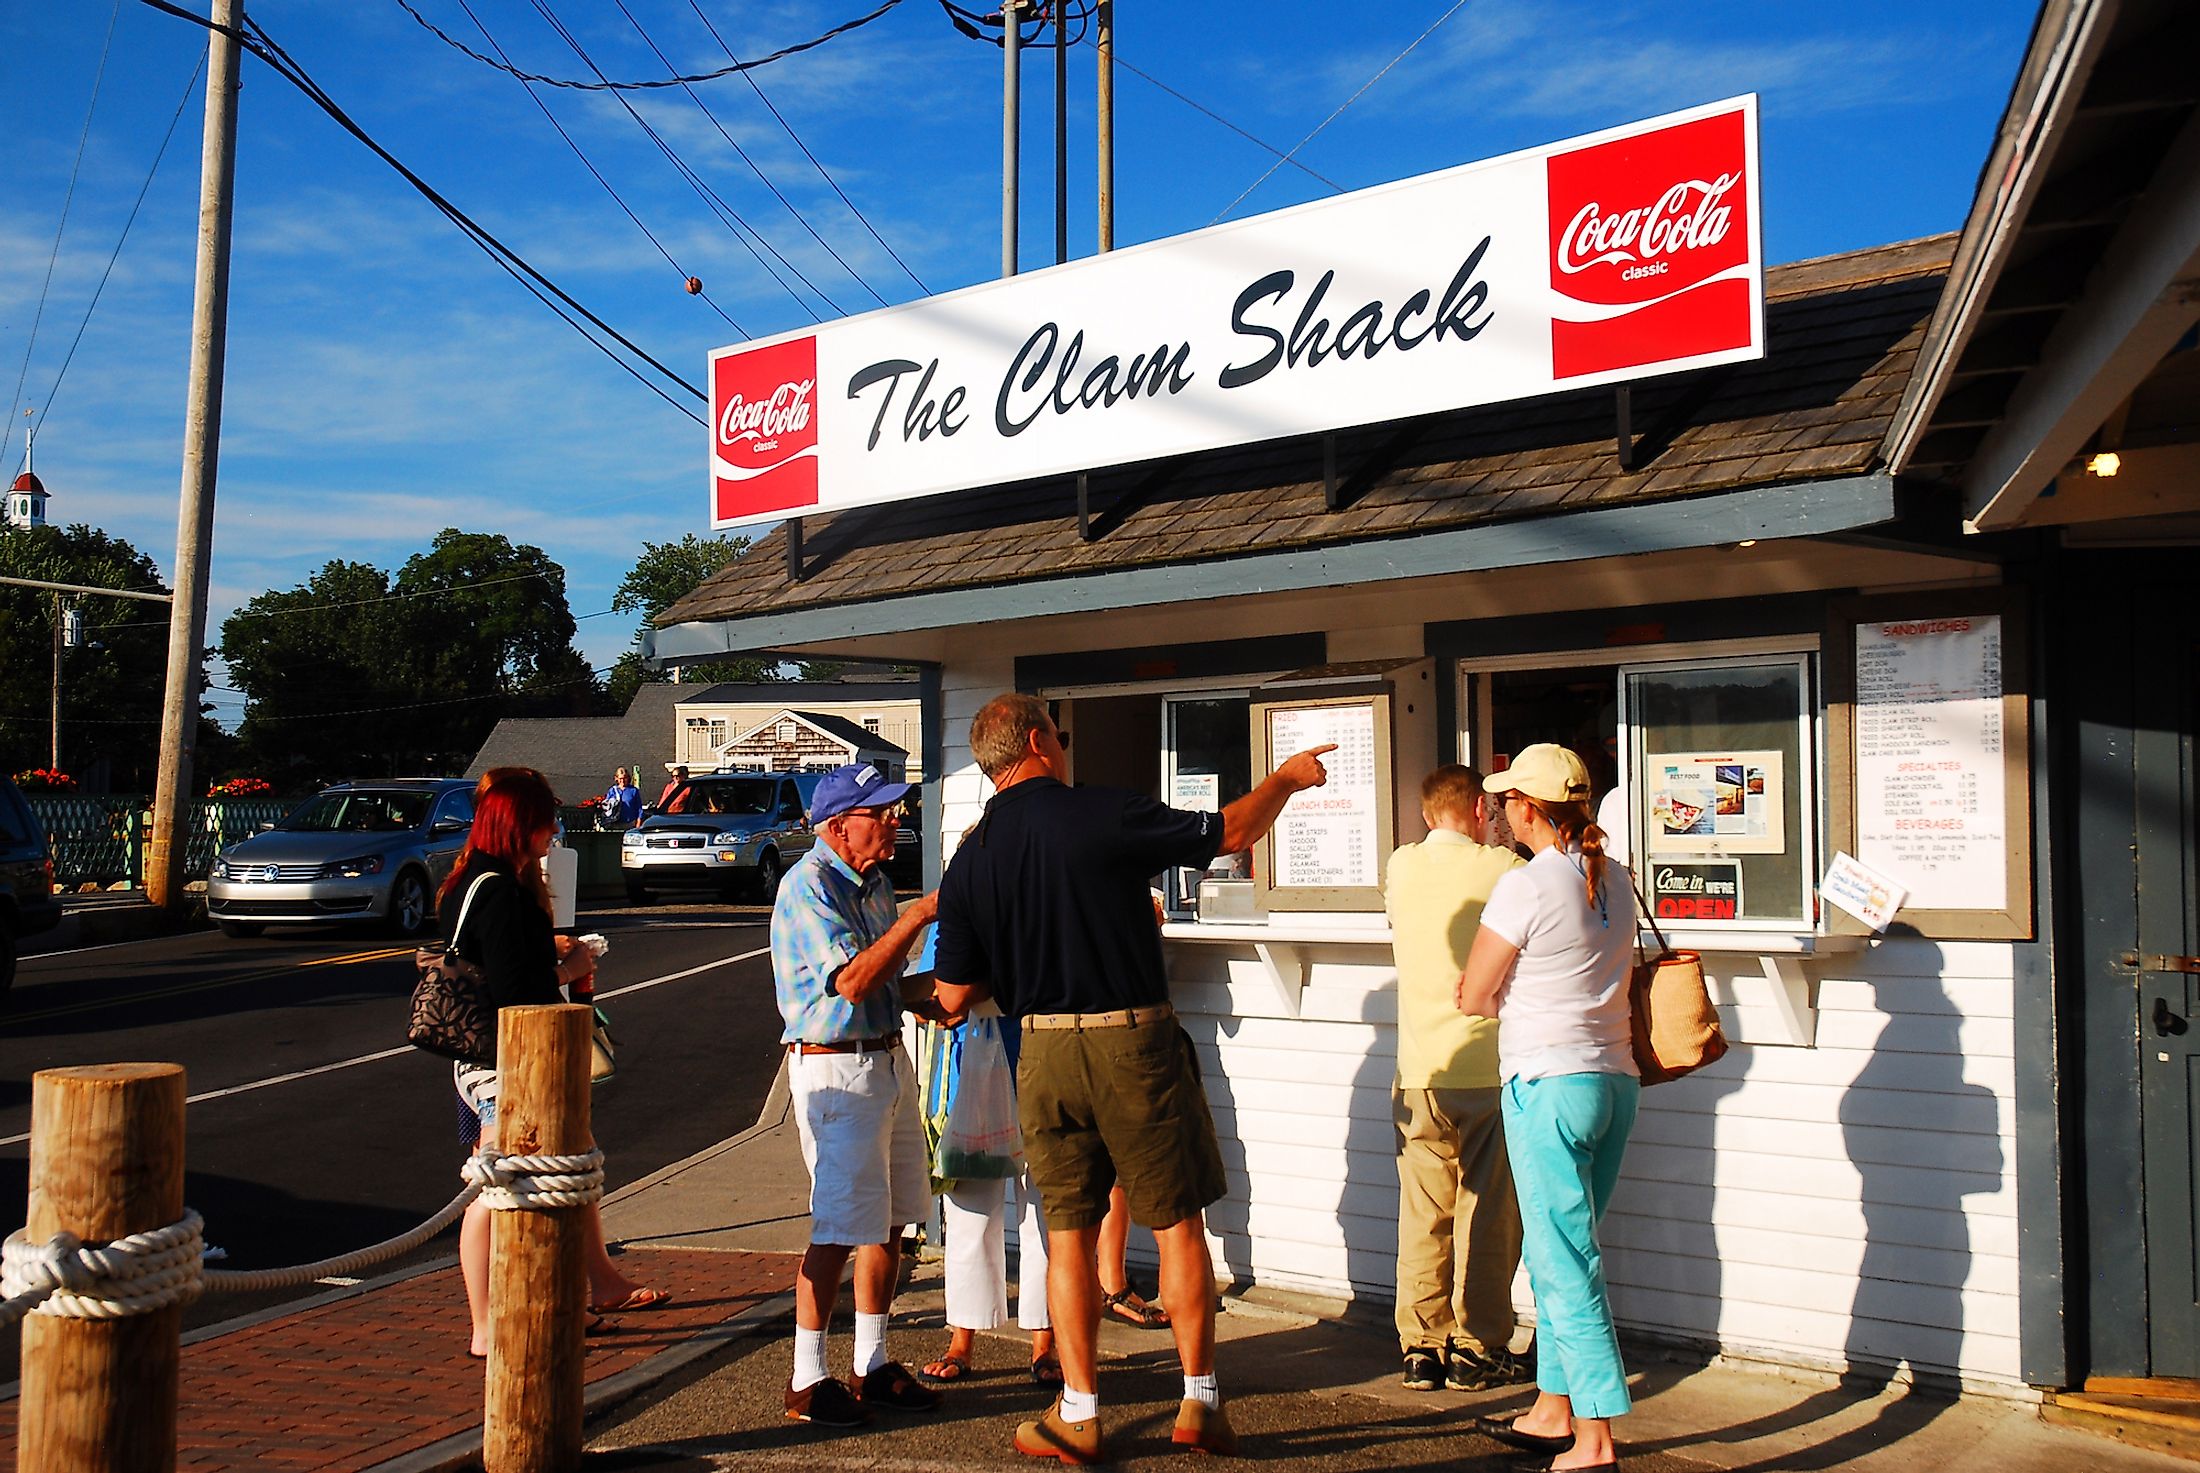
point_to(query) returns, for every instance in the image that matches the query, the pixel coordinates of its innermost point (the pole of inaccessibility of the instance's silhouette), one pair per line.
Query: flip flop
(643, 1298)
(1047, 1371)
(1126, 1305)
(953, 1368)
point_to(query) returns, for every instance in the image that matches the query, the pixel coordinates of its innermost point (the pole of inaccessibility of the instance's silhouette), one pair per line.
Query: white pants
(974, 1216)
(863, 1142)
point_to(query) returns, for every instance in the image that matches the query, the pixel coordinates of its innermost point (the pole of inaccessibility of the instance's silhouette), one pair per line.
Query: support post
(54, 755)
(1330, 491)
(202, 428)
(99, 1396)
(794, 550)
(538, 1285)
(1623, 410)
(1011, 124)
(1084, 506)
(1061, 134)
(1104, 106)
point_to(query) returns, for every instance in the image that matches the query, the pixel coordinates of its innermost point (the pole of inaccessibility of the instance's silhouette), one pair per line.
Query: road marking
(183, 988)
(391, 1053)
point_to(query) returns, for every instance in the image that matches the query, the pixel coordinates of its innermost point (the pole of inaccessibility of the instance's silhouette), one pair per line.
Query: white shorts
(863, 1141)
(477, 1091)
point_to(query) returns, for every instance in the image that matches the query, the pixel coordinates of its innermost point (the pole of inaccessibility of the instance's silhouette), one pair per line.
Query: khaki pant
(1458, 1222)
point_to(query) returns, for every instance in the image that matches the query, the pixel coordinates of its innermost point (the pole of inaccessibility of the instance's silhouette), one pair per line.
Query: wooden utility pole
(202, 428)
(99, 1396)
(538, 1285)
(53, 759)
(1011, 125)
(1104, 106)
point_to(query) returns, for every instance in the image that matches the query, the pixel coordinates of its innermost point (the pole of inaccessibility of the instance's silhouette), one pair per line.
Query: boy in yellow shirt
(1458, 1222)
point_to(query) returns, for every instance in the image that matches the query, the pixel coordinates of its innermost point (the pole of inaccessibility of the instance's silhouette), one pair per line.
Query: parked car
(27, 902)
(739, 832)
(360, 851)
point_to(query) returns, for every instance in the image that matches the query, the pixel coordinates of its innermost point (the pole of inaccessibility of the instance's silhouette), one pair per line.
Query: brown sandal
(1126, 1305)
(952, 1368)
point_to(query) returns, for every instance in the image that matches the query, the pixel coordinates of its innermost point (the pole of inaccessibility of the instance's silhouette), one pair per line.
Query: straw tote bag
(1676, 1028)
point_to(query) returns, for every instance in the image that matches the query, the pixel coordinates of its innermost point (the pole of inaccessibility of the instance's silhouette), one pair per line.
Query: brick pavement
(352, 1383)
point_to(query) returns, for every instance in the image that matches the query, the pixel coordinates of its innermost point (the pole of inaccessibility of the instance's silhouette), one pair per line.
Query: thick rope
(249, 1281)
(518, 1183)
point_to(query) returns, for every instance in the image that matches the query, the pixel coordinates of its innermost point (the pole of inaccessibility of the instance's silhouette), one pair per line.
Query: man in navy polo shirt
(838, 951)
(1045, 908)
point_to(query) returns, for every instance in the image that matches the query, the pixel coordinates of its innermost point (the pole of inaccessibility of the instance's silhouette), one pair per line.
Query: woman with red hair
(496, 906)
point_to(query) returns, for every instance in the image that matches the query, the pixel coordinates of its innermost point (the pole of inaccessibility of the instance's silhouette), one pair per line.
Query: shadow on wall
(1920, 1138)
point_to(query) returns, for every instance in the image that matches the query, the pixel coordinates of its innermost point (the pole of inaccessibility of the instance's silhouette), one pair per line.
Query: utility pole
(179, 722)
(1061, 133)
(1011, 122)
(53, 760)
(1104, 23)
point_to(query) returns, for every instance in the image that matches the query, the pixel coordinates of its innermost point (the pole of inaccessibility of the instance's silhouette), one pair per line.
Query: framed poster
(1329, 847)
(1715, 802)
(1928, 718)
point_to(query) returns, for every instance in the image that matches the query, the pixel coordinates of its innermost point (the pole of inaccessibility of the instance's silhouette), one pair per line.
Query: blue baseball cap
(858, 785)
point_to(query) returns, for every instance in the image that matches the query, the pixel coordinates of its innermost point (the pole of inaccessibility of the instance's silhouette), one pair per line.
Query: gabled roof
(788, 692)
(839, 728)
(1842, 330)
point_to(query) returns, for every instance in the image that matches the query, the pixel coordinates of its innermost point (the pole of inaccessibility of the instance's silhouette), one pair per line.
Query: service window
(1206, 765)
(1719, 799)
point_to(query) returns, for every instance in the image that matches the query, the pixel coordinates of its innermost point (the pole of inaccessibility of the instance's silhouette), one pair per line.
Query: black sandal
(1125, 1304)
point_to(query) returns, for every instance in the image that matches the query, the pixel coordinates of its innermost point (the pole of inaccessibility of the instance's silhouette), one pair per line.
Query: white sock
(1079, 1406)
(1202, 1389)
(870, 1343)
(809, 1358)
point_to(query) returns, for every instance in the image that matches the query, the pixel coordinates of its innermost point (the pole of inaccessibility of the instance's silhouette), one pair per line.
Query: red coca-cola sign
(1650, 245)
(763, 409)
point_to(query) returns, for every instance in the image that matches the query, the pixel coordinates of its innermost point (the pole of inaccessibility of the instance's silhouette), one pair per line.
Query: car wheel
(767, 874)
(638, 894)
(408, 914)
(241, 930)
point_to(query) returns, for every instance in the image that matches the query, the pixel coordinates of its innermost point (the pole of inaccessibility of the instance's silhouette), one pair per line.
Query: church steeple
(25, 505)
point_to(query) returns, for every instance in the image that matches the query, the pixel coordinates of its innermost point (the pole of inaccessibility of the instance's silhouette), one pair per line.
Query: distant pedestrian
(1458, 1223)
(495, 909)
(838, 952)
(1552, 964)
(621, 804)
(1045, 908)
(677, 794)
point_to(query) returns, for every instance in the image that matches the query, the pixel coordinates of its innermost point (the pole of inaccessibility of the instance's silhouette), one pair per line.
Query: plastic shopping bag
(981, 1140)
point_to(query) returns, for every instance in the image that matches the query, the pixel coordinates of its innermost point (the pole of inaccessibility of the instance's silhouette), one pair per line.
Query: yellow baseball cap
(1545, 772)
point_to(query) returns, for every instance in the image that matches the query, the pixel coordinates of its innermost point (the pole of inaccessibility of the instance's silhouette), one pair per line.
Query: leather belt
(852, 1046)
(1081, 1022)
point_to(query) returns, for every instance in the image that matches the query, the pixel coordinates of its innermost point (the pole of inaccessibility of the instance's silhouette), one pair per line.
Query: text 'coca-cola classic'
(764, 409)
(1651, 240)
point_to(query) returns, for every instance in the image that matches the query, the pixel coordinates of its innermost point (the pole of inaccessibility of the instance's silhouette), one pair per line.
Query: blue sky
(385, 380)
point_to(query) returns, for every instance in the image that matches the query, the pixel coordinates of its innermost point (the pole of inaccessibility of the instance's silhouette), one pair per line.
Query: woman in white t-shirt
(1551, 964)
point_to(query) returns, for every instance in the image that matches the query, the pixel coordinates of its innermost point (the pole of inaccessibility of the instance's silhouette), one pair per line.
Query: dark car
(27, 902)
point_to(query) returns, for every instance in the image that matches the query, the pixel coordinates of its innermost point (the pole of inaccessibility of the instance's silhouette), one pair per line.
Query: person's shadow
(1906, 1315)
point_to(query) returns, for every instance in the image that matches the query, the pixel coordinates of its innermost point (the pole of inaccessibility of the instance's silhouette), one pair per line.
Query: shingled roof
(1842, 331)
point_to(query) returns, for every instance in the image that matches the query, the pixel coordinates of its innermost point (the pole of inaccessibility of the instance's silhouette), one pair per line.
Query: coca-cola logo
(1651, 246)
(764, 415)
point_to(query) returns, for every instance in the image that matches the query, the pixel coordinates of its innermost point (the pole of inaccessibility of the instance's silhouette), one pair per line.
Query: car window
(351, 811)
(458, 803)
(741, 797)
(17, 824)
(790, 802)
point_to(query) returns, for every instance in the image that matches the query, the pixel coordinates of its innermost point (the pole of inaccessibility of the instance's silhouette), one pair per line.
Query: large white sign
(1330, 835)
(1930, 810)
(1622, 254)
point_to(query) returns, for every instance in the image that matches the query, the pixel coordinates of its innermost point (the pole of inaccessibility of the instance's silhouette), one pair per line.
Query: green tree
(110, 689)
(358, 673)
(665, 573)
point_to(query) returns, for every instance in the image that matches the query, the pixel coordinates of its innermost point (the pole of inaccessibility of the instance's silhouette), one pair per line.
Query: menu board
(1329, 845)
(1931, 805)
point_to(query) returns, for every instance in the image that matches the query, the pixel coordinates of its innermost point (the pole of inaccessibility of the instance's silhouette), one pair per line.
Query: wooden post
(538, 1286)
(99, 1396)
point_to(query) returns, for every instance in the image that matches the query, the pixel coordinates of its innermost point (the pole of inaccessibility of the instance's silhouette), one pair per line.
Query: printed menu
(1329, 835)
(1930, 809)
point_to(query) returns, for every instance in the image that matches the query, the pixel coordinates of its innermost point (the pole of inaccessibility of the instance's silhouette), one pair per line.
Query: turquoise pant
(1566, 1135)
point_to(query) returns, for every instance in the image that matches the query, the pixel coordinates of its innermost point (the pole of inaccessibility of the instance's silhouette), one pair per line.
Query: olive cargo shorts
(1103, 1104)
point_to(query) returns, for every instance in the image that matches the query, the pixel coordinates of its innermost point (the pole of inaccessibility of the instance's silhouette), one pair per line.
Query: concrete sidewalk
(374, 1377)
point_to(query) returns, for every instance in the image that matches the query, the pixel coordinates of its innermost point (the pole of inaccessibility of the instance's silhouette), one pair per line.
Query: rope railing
(165, 1266)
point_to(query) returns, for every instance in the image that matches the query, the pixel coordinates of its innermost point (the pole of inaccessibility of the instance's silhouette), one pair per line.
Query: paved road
(314, 1129)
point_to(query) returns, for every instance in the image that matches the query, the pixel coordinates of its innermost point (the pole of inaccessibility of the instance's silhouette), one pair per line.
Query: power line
(70, 357)
(743, 154)
(605, 84)
(726, 213)
(587, 164)
(255, 39)
(749, 76)
(1456, 7)
(7, 427)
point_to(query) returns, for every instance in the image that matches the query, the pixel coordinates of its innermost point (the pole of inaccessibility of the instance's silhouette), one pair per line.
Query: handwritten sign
(1329, 835)
(1871, 897)
(1930, 810)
